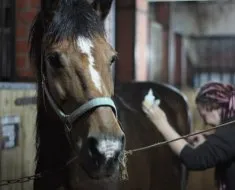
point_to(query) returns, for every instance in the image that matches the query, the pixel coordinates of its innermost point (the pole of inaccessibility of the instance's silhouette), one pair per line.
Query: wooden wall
(203, 180)
(18, 161)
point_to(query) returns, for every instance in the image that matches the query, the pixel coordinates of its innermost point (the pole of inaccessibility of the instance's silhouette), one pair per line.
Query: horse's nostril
(95, 155)
(92, 145)
(123, 139)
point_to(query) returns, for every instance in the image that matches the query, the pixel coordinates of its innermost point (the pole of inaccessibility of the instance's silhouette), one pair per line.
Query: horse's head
(77, 80)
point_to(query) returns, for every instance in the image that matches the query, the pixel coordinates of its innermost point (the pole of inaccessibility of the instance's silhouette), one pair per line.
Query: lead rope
(123, 160)
(36, 176)
(124, 173)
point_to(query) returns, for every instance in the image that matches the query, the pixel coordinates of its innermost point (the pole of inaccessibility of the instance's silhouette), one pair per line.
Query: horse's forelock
(68, 20)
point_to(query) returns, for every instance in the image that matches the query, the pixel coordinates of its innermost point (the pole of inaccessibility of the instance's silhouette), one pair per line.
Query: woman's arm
(159, 119)
(216, 149)
(169, 134)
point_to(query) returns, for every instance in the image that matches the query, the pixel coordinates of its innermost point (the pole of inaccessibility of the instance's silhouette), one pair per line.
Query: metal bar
(1, 36)
(13, 40)
(1, 59)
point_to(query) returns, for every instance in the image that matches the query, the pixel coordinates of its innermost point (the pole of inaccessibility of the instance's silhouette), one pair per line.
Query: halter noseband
(68, 119)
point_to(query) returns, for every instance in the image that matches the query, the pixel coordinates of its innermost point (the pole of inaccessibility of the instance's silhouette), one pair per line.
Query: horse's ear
(102, 7)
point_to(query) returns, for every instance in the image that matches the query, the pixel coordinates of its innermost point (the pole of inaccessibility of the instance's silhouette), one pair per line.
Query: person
(216, 104)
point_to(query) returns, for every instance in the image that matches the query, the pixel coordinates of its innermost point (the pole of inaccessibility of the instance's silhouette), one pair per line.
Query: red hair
(222, 95)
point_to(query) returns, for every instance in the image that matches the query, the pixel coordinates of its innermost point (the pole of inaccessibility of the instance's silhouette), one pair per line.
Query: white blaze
(86, 46)
(109, 147)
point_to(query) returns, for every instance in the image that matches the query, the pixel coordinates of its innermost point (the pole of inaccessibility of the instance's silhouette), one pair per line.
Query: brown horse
(157, 168)
(76, 117)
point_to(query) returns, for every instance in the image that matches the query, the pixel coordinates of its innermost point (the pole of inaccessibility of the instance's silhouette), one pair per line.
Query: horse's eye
(113, 59)
(54, 60)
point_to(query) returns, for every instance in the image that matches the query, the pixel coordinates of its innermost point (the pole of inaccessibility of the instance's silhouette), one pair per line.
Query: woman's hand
(196, 140)
(154, 113)
(159, 119)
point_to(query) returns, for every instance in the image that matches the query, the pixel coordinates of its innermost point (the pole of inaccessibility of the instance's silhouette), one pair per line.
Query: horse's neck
(52, 139)
(53, 148)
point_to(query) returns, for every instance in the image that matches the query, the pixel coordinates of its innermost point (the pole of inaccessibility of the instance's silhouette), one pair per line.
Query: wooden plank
(6, 155)
(19, 161)
(1, 141)
(29, 140)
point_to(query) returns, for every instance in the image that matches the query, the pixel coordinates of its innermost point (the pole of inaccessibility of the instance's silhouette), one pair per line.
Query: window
(211, 58)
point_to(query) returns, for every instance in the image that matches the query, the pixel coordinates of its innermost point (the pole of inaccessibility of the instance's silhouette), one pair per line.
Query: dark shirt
(217, 151)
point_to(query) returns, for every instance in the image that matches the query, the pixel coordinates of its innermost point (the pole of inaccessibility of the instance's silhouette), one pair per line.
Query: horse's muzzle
(102, 156)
